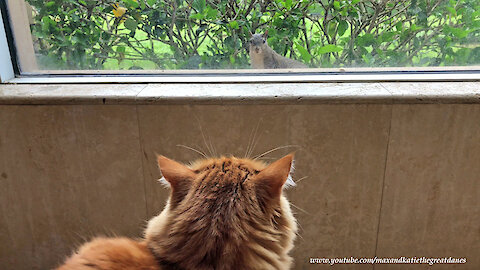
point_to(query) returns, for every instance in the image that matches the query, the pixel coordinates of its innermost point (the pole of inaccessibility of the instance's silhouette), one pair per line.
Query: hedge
(211, 34)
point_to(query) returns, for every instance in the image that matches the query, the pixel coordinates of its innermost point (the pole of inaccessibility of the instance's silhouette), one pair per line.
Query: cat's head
(258, 42)
(221, 206)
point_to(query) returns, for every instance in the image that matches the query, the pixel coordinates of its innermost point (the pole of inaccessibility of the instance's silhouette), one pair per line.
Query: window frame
(11, 72)
(8, 69)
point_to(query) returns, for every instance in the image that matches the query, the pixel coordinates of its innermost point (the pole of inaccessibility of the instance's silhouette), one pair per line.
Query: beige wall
(383, 180)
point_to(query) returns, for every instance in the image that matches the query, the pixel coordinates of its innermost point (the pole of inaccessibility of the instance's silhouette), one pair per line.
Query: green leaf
(131, 3)
(354, 2)
(476, 14)
(388, 36)
(306, 56)
(197, 16)
(457, 32)
(130, 24)
(47, 23)
(315, 9)
(233, 24)
(415, 27)
(199, 5)
(151, 2)
(329, 48)
(452, 11)
(399, 26)
(211, 13)
(120, 49)
(342, 27)
(288, 4)
(365, 40)
(336, 4)
(331, 28)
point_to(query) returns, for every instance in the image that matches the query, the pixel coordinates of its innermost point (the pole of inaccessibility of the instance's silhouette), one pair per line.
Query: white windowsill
(241, 93)
(276, 76)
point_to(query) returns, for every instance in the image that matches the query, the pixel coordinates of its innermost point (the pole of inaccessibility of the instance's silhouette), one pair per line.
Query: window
(214, 37)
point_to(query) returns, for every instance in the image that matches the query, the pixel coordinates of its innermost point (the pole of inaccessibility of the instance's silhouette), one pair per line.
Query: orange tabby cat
(224, 213)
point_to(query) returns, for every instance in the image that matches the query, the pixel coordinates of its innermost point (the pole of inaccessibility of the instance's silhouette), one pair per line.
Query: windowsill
(250, 93)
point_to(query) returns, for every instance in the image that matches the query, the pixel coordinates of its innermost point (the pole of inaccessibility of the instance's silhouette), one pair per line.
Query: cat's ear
(274, 176)
(265, 35)
(174, 173)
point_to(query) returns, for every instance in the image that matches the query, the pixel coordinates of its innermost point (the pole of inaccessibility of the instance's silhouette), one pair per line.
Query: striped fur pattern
(225, 213)
(112, 254)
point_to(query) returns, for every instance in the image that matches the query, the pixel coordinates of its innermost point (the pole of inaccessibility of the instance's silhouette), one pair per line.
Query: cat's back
(112, 254)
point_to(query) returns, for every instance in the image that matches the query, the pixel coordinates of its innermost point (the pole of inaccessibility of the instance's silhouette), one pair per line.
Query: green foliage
(209, 34)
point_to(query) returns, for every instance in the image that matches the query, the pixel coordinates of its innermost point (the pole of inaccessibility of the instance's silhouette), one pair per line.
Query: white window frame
(10, 73)
(6, 68)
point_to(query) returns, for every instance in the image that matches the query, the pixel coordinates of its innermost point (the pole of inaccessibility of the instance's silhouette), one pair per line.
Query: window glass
(217, 34)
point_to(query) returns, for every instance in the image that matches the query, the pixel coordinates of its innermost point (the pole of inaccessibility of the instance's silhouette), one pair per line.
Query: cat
(225, 213)
(222, 213)
(264, 57)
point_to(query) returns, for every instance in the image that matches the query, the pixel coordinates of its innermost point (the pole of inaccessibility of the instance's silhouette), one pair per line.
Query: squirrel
(264, 57)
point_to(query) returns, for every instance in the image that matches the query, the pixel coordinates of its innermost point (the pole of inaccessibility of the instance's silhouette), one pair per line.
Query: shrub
(83, 34)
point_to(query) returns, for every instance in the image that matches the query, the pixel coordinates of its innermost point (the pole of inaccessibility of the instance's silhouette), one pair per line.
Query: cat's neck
(247, 245)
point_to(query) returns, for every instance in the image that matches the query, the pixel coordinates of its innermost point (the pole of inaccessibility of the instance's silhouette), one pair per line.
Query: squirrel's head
(258, 42)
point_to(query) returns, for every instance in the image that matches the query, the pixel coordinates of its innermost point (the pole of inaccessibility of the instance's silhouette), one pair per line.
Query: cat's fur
(112, 254)
(264, 57)
(224, 213)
